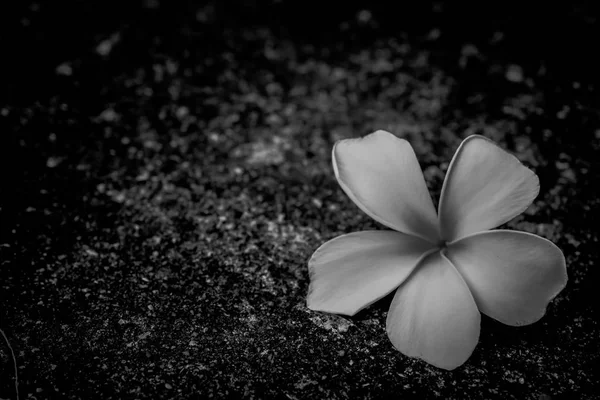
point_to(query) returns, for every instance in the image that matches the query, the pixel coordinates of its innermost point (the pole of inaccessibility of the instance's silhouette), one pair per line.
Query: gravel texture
(167, 175)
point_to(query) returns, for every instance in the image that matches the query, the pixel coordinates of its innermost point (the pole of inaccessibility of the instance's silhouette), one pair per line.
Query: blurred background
(166, 175)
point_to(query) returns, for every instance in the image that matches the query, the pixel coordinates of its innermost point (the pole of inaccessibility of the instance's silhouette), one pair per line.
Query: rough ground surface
(171, 177)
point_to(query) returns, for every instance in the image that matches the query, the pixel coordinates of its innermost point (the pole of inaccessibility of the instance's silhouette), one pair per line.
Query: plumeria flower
(447, 267)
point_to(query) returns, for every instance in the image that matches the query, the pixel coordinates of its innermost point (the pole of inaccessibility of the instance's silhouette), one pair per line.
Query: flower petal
(433, 315)
(512, 275)
(353, 271)
(382, 176)
(485, 187)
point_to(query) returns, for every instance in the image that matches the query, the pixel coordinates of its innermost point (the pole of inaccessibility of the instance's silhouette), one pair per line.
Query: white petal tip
(447, 365)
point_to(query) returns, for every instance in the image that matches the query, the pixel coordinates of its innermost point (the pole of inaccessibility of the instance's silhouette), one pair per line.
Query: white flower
(447, 267)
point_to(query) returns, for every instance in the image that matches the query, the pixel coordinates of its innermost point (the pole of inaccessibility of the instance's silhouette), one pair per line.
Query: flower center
(442, 245)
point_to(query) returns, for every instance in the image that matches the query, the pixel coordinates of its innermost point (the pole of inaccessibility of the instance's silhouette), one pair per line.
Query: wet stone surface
(172, 176)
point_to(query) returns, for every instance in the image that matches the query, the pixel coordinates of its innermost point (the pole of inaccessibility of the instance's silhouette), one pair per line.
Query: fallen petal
(353, 271)
(512, 275)
(485, 187)
(433, 315)
(382, 176)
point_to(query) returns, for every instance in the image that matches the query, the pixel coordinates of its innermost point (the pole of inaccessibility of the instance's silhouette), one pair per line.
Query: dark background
(166, 175)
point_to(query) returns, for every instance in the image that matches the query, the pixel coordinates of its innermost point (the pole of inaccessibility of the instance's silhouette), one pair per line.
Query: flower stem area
(168, 175)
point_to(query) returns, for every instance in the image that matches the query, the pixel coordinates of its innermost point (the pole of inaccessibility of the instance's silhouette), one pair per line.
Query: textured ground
(171, 177)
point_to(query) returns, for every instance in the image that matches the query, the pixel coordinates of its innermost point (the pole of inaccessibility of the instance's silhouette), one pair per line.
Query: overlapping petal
(433, 315)
(381, 174)
(512, 275)
(352, 271)
(485, 187)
